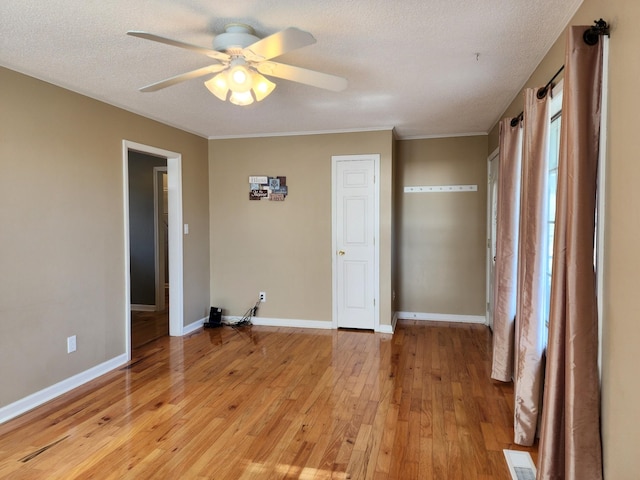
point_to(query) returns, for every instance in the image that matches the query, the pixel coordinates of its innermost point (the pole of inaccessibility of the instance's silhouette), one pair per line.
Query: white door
(355, 273)
(492, 215)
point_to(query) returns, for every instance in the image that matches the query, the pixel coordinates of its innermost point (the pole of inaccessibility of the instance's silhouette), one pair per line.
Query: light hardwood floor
(271, 403)
(148, 326)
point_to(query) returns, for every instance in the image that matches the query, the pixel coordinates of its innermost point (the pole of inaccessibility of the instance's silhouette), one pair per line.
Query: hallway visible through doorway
(148, 241)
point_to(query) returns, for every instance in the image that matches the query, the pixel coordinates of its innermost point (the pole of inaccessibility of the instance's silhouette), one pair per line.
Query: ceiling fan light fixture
(261, 86)
(240, 57)
(218, 86)
(241, 98)
(240, 79)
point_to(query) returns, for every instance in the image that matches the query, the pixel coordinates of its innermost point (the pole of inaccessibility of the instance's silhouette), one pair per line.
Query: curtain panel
(570, 443)
(507, 219)
(530, 301)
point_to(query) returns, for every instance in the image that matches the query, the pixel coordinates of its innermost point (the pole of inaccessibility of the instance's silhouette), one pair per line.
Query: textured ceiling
(424, 67)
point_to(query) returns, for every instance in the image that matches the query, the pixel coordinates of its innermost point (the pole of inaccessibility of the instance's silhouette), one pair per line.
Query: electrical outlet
(71, 344)
(263, 297)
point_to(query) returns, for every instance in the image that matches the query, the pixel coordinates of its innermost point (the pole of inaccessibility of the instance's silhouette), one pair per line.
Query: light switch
(186, 229)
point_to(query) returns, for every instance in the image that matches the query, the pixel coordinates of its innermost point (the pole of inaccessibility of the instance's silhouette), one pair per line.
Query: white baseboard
(389, 328)
(284, 322)
(442, 317)
(298, 323)
(36, 399)
(136, 307)
(192, 327)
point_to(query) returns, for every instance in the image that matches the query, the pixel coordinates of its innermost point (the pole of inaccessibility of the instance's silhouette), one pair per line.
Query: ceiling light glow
(240, 79)
(241, 98)
(244, 83)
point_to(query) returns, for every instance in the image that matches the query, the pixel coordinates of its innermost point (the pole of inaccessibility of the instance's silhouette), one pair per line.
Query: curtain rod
(591, 36)
(542, 92)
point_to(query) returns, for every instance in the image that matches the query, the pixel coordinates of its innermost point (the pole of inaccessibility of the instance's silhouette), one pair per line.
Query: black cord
(246, 318)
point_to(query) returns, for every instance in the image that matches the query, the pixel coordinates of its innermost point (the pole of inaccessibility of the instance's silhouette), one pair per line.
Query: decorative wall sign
(270, 188)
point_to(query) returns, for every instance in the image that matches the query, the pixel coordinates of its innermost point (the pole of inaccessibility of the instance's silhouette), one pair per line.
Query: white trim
(350, 130)
(174, 181)
(127, 250)
(298, 323)
(442, 317)
(389, 328)
(38, 398)
(444, 135)
(375, 157)
(386, 329)
(284, 322)
(176, 252)
(602, 170)
(192, 327)
(297, 134)
(136, 307)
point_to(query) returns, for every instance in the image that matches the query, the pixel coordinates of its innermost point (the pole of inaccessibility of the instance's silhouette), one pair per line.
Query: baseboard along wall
(442, 317)
(38, 398)
(143, 308)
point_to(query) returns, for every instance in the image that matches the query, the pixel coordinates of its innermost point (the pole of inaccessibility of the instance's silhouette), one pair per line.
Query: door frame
(376, 230)
(489, 280)
(176, 281)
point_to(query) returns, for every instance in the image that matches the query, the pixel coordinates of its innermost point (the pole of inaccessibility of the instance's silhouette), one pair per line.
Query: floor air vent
(520, 465)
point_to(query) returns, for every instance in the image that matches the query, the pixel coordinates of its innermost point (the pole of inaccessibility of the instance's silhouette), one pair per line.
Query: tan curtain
(506, 250)
(530, 317)
(570, 446)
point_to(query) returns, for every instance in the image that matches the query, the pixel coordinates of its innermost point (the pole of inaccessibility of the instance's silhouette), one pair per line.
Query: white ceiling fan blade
(279, 43)
(183, 77)
(223, 57)
(303, 75)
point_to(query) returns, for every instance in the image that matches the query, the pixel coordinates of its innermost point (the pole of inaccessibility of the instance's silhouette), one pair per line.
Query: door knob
(341, 252)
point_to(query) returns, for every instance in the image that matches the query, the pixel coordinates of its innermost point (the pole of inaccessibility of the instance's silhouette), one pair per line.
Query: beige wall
(284, 248)
(621, 325)
(442, 236)
(62, 235)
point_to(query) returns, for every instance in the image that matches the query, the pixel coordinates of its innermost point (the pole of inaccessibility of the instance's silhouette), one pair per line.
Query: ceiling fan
(241, 60)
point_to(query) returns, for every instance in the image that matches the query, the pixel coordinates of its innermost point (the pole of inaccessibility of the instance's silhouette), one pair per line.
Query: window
(555, 123)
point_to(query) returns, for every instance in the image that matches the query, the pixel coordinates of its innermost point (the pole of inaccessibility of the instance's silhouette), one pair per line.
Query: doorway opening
(148, 247)
(153, 254)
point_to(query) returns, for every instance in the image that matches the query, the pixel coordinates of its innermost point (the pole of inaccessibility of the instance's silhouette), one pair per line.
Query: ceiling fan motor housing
(235, 36)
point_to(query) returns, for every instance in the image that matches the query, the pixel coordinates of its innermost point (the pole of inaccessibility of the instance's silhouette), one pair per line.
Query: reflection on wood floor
(279, 403)
(149, 326)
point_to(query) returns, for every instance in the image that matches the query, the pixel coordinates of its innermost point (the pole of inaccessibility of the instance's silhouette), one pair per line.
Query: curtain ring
(542, 92)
